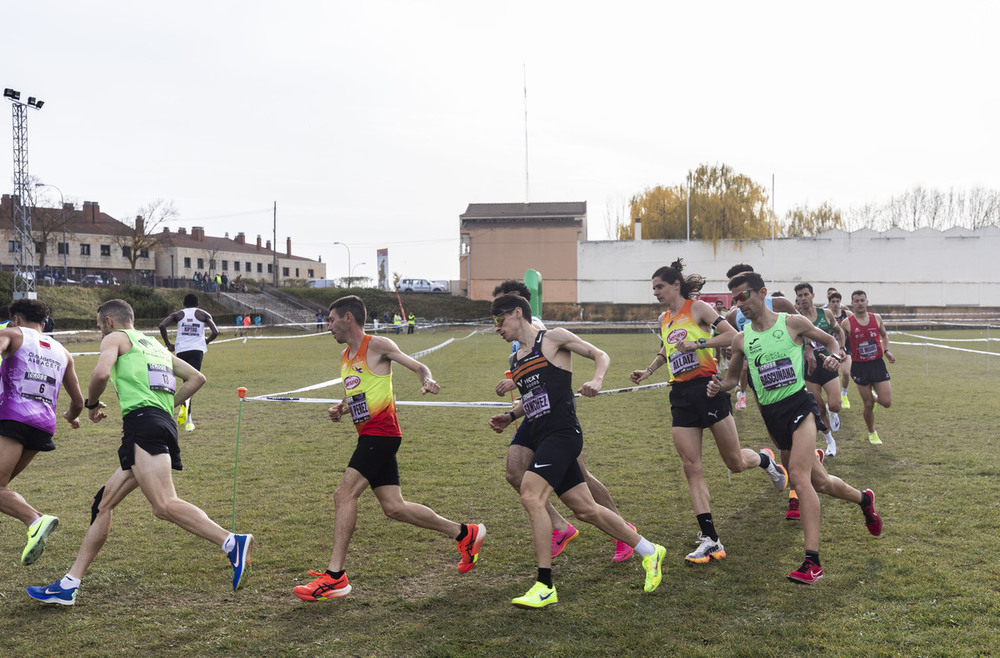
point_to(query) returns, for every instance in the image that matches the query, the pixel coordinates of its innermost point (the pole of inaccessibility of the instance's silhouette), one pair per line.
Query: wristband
(659, 356)
(86, 404)
(702, 343)
(649, 370)
(512, 416)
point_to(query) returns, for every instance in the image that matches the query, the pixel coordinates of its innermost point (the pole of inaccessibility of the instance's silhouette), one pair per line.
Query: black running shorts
(152, 429)
(375, 459)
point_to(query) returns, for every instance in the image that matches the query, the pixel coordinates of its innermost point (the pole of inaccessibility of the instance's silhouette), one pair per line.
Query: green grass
(927, 587)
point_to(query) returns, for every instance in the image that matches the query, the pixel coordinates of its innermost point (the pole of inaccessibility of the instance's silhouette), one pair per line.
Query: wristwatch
(702, 343)
(86, 404)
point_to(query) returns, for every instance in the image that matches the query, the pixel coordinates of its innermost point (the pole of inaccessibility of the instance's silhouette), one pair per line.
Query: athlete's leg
(587, 510)
(687, 441)
(800, 460)
(535, 491)
(119, 485)
(831, 485)
(817, 392)
(152, 474)
(727, 440)
(884, 392)
(868, 398)
(13, 459)
(518, 459)
(390, 497)
(597, 489)
(345, 515)
(832, 390)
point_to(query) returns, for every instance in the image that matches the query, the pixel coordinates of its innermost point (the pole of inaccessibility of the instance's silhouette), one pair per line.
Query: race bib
(776, 374)
(868, 350)
(358, 405)
(161, 378)
(681, 362)
(191, 330)
(38, 386)
(536, 403)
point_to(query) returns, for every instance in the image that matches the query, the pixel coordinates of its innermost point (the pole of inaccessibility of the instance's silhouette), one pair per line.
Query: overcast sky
(376, 123)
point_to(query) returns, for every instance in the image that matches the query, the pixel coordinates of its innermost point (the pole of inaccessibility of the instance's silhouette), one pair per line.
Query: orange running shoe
(469, 547)
(323, 588)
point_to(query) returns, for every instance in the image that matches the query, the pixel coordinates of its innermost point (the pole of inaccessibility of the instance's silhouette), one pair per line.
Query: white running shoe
(708, 549)
(831, 447)
(834, 421)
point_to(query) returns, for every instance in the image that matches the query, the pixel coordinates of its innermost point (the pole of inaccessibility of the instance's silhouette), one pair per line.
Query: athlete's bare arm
(565, 342)
(385, 351)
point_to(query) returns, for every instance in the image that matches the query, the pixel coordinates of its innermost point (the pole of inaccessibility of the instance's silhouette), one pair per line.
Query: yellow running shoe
(38, 532)
(538, 596)
(874, 440)
(182, 416)
(651, 564)
(844, 402)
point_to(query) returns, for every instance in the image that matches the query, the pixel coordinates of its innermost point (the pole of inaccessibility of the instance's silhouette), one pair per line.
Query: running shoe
(323, 588)
(793, 507)
(844, 402)
(182, 415)
(239, 558)
(821, 454)
(708, 549)
(469, 547)
(538, 596)
(872, 520)
(741, 401)
(834, 421)
(560, 539)
(189, 426)
(622, 550)
(775, 471)
(831, 447)
(651, 564)
(38, 532)
(873, 439)
(807, 574)
(53, 594)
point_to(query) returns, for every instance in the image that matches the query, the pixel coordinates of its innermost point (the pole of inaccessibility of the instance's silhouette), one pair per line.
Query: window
(12, 246)
(236, 266)
(126, 252)
(310, 274)
(84, 249)
(144, 253)
(63, 248)
(248, 266)
(105, 250)
(187, 262)
(211, 263)
(270, 268)
(296, 272)
(201, 263)
(225, 266)
(38, 247)
(284, 271)
(260, 268)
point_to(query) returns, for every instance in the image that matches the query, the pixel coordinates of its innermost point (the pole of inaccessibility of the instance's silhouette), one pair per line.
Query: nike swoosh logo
(797, 418)
(537, 465)
(48, 591)
(236, 564)
(561, 541)
(542, 598)
(37, 530)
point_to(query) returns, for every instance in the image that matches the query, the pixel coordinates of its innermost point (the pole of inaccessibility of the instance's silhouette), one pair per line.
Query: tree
(724, 205)
(145, 233)
(802, 222)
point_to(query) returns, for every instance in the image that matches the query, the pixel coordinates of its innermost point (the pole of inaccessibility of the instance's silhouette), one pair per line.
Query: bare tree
(142, 235)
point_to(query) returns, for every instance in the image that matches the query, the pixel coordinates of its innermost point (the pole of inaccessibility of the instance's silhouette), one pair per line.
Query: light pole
(344, 244)
(62, 205)
(24, 241)
(351, 279)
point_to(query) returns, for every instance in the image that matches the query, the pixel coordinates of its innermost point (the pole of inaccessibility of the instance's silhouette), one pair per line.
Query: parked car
(419, 285)
(99, 280)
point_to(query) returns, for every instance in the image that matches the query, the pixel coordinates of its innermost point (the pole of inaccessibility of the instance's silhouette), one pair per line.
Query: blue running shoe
(239, 558)
(53, 594)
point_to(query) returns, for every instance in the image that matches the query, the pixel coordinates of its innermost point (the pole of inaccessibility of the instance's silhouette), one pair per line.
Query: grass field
(927, 587)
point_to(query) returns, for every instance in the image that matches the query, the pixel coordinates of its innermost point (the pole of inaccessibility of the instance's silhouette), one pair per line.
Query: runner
(840, 314)
(869, 342)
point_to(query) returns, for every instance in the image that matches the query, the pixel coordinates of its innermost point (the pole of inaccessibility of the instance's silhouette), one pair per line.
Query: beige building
(84, 242)
(501, 240)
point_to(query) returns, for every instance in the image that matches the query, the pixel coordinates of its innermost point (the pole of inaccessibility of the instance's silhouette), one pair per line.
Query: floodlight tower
(24, 242)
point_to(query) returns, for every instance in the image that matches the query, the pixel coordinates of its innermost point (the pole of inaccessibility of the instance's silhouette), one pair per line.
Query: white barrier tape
(423, 403)
(947, 347)
(947, 340)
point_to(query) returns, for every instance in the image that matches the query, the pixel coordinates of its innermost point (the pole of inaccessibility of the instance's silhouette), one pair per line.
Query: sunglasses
(498, 319)
(743, 296)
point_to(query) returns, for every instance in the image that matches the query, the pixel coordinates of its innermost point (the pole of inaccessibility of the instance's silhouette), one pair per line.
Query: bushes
(145, 301)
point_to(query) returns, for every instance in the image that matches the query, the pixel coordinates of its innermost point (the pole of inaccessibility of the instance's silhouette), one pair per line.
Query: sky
(374, 124)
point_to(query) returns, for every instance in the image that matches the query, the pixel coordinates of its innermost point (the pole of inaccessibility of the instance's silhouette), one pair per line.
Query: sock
(813, 556)
(829, 437)
(336, 575)
(462, 533)
(865, 499)
(69, 582)
(545, 576)
(708, 526)
(645, 548)
(229, 544)
(843, 392)
(765, 461)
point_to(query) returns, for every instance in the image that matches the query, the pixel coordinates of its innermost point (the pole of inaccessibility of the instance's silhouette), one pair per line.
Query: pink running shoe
(622, 550)
(807, 574)
(560, 539)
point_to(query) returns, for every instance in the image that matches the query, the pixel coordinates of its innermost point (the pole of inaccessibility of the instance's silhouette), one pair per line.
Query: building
(501, 240)
(84, 242)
